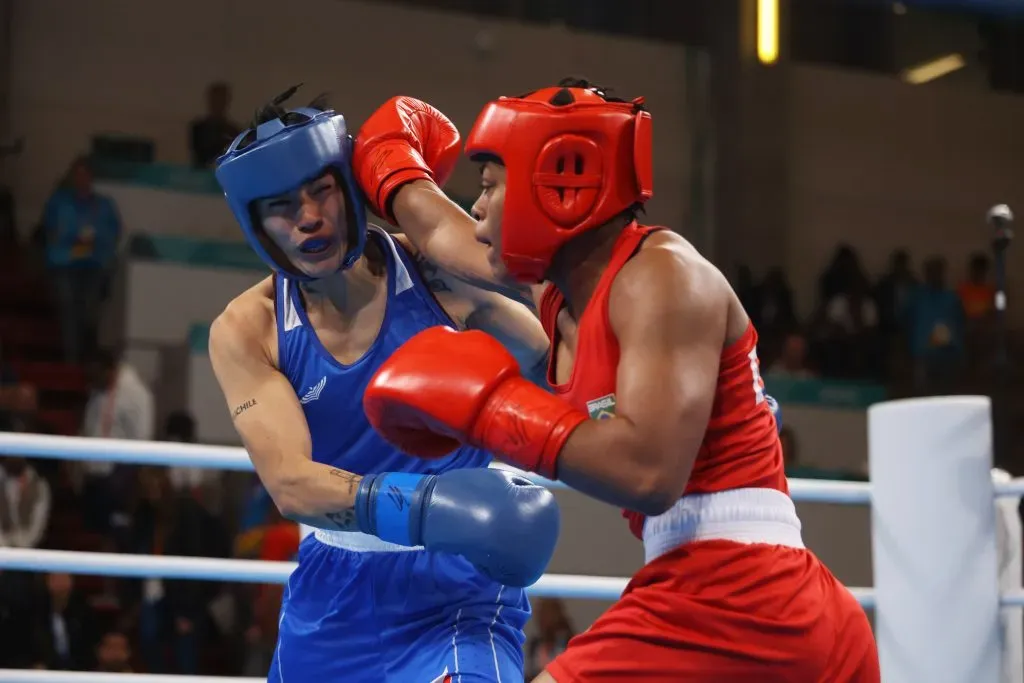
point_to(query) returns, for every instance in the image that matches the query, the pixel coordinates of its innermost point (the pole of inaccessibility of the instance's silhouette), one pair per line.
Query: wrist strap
(390, 505)
(526, 426)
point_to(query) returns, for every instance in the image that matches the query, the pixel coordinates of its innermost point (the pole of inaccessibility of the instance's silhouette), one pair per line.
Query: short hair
(274, 109)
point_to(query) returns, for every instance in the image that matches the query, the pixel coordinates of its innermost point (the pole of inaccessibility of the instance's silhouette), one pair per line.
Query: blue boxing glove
(501, 522)
(773, 405)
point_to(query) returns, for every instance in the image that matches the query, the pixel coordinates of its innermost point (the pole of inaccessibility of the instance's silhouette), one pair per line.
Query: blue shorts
(396, 616)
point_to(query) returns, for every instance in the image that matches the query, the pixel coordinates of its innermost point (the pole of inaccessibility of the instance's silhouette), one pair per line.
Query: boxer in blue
(416, 568)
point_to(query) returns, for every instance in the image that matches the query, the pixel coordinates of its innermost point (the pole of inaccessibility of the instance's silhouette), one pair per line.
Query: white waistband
(741, 515)
(359, 542)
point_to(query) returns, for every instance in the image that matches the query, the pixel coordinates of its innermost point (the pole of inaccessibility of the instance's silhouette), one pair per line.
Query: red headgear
(573, 158)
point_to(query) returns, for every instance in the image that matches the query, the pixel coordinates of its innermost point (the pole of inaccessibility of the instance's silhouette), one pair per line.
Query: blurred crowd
(920, 328)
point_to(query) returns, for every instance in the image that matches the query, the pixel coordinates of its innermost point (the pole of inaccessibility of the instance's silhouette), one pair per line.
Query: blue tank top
(331, 393)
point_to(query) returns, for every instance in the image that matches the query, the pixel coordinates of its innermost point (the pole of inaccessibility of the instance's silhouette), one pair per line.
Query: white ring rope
(262, 571)
(250, 571)
(1013, 598)
(31, 676)
(176, 454)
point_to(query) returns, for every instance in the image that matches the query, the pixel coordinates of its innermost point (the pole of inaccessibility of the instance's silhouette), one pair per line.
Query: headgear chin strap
(573, 159)
(281, 158)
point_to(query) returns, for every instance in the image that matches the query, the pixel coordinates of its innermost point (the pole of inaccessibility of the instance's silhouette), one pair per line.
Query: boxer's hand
(442, 387)
(499, 521)
(403, 141)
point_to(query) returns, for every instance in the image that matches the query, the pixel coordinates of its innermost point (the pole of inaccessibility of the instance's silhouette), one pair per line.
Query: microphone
(1000, 217)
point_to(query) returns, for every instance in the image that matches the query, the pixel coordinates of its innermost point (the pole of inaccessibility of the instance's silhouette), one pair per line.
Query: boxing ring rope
(176, 454)
(250, 571)
(934, 538)
(30, 676)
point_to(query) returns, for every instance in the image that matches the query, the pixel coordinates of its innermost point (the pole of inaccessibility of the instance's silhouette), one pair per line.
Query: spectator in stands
(847, 331)
(21, 404)
(977, 292)
(746, 289)
(210, 135)
(554, 629)
(120, 406)
(17, 605)
(977, 297)
(893, 293)
(81, 230)
(894, 290)
(172, 612)
(792, 362)
(8, 385)
(256, 507)
(62, 626)
(114, 653)
(842, 274)
(202, 483)
(774, 315)
(24, 504)
(936, 330)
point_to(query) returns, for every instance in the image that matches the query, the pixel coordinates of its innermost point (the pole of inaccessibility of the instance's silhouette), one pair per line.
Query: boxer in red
(658, 405)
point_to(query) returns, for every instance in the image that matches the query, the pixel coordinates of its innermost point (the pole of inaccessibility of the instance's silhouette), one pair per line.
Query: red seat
(23, 332)
(48, 376)
(20, 292)
(66, 422)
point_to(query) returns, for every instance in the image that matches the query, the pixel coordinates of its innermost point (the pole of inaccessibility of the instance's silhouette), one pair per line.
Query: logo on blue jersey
(314, 391)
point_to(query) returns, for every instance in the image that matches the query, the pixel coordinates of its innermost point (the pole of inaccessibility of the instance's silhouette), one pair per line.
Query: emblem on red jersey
(602, 408)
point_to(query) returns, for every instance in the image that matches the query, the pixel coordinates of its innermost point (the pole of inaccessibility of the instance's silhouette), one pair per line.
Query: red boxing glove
(404, 140)
(425, 404)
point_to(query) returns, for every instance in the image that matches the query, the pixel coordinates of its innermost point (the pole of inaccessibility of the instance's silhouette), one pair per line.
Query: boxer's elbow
(618, 463)
(290, 492)
(291, 508)
(655, 492)
(659, 479)
(289, 502)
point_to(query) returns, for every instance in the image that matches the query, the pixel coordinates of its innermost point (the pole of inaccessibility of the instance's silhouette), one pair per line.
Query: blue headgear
(281, 158)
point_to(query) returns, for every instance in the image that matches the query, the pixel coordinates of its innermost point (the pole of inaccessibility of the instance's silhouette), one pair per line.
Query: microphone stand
(1001, 219)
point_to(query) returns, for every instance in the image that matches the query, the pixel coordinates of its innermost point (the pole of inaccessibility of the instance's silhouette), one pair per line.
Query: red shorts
(723, 611)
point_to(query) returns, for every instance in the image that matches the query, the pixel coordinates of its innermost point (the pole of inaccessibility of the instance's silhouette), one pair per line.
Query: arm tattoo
(345, 520)
(241, 408)
(352, 480)
(431, 274)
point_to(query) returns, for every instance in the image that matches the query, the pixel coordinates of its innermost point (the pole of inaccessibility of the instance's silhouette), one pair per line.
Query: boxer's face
(488, 209)
(308, 225)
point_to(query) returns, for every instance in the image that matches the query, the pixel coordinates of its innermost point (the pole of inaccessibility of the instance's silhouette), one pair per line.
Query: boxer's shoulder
(247, 323)
(668, 267)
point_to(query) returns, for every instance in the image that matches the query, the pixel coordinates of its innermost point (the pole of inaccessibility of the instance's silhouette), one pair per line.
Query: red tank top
(741, 448)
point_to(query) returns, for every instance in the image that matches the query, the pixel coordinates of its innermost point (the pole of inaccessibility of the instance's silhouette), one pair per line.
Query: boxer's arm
(517, 329)
(670, 317)
(270, 421)
(508, 321)
(445, 234)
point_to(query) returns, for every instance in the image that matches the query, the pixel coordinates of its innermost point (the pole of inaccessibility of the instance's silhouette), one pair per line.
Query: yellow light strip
(935, 68)
(768, 31)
